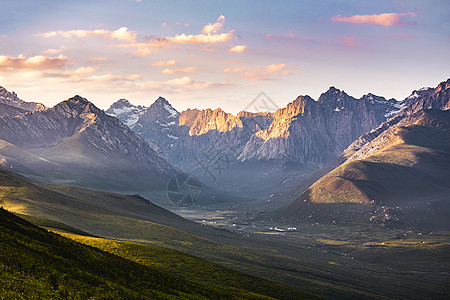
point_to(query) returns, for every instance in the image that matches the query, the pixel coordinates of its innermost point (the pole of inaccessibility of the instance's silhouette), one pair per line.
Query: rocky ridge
(11, 98)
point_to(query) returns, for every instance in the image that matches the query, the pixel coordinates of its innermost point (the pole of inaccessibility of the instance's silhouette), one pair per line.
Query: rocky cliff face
(313, 132)
(10, 98)
(10, 111)
(305, 131)
(208, 120)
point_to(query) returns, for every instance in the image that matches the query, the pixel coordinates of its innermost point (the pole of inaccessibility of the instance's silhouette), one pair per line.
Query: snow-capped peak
(126, 112)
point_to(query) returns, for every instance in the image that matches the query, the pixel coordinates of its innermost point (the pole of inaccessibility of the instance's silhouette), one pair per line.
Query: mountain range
(402, 166)
(275, 148)
(132, 149)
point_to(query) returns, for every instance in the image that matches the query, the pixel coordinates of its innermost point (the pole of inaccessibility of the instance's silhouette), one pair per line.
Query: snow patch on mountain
(170, 109)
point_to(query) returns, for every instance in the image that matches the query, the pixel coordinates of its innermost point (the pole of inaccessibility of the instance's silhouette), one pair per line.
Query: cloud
(289, 35)
(269, 72)
(144, 47)
(387, 19)
(96, 60)
(349, 41)
(55, 50)
(238, 49)
(169, 71)
(121, 34)
(160, 63)
(38, 62)
(201, 38)
(214, 28)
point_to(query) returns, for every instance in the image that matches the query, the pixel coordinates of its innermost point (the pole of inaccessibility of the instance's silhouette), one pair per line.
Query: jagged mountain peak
(333, 95)
(11, 98)
(444, 85)
(76, 106)
(162, 100)
(125, 111)
(160, 110)
(372, 97)
(217, 119)
(416, 94)
(79, 100)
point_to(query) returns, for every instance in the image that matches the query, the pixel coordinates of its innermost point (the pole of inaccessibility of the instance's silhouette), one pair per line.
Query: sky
(209, 54)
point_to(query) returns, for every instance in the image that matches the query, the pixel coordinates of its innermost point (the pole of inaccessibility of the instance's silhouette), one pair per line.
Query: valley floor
(366, 261)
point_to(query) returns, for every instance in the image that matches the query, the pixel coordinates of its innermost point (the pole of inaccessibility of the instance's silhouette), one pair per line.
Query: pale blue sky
(51, 50)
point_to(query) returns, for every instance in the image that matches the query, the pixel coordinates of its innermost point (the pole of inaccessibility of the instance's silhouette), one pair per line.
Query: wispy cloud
(209, 35)
(97, 60)
(121, 34)
(162, 63)
(38, 62)
(53, 51)
(169, 71)
(201, 38)
(238, 49)
(349, 41)
(386, 19)
(269, 72)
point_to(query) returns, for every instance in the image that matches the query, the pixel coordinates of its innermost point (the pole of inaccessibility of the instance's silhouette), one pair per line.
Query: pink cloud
(38, 62)
(260, 73)
(349, 41)
(54, 50)
(169, 71)
(144, 47)
(96, 60)
(387, 19)
(163, 63)
(238, 49)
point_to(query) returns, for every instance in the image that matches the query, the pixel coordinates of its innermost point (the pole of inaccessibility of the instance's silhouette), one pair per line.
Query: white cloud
(238, 49)
(214, 28)
(169, 71)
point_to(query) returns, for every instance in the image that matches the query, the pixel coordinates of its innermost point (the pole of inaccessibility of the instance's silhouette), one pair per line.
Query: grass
(190, 267)
(35, 263)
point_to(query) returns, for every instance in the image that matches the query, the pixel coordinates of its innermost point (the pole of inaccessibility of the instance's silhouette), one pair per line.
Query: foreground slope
(39, 264)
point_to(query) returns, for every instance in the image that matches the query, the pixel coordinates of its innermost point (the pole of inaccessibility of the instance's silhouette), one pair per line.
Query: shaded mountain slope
(10, 111)
(75, 142)
(408, 174)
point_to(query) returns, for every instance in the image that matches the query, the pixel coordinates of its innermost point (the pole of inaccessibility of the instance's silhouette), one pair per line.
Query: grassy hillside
(35, 263)
(413, 165)
(191, 268)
